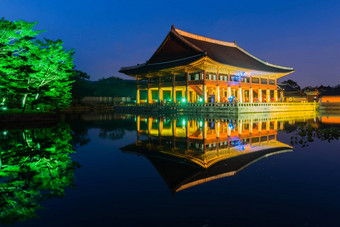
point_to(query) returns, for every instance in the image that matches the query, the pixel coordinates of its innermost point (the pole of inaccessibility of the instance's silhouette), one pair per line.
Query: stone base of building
(216, 108)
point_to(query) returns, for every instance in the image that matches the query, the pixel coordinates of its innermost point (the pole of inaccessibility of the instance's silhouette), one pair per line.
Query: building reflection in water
(189, 152)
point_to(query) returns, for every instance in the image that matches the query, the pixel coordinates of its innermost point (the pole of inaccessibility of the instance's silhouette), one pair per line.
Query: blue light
(231, 99)
(231, 126)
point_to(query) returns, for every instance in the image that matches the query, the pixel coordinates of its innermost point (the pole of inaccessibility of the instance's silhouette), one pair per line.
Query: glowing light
(183, 122)
(231, 126)
(4, 108)
(201, 123)
(4, 133)
(184, 100)
(200, 100)
(231, 98)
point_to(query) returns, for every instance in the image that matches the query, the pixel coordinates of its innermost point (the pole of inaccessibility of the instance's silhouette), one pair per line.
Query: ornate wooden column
(240, 95)
(138, 93)
(138, 123)
(251, 95)
(150, 119)
(240, 124)
(218, 93)
(275, 95)
(205, 95)
(160, 127)
(260, 95)
(149, 92)
(228, 91)
(259, 126)
(149, 95)
(268, 95)
(173, 94)
(173, 89)
(138, 96)
(187, 97)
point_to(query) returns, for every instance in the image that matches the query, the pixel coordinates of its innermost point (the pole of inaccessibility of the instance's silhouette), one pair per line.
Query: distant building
(291, 94)
(192, 68)
(104, 100)
(330, 99)
(312, 95)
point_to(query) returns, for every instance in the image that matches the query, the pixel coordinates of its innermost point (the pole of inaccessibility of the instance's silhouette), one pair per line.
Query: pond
(104, 169)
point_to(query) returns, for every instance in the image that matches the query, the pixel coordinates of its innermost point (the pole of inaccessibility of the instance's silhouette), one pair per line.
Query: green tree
(33, 72)
(36, 166)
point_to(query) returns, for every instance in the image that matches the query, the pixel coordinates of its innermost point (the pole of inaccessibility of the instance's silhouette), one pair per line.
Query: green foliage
(34, 73)
(80, 87)
(35, 165)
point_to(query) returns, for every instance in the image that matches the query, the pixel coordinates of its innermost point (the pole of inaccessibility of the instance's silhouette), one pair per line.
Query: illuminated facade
(195, 69)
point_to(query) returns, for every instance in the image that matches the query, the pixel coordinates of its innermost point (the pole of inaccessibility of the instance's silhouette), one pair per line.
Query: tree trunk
(24, 103)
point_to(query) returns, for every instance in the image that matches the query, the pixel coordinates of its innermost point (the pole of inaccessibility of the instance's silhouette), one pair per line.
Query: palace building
(188, 68)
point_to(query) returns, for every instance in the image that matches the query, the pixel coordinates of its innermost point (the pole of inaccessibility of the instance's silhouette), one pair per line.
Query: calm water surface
(128, 170)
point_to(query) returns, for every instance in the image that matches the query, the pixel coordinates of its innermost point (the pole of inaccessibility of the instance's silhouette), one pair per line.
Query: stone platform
(217, 108)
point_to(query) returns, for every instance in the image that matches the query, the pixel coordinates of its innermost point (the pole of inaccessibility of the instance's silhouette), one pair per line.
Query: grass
(18, 111)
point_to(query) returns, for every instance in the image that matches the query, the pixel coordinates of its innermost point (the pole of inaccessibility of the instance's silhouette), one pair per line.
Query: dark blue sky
(110, 34)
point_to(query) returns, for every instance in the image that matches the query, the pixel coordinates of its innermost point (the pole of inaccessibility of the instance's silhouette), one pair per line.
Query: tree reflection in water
(35, 165)
(306, 134)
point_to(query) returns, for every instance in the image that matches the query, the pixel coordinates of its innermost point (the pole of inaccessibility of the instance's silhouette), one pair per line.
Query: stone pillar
(275, 95)
(187, 97)
(223, 96)
(138, 123)
(240, 95)
(268, 125)
(251, 126)
(259, 126)
(174, 128)
(218, 99)
(228, 92)
(218, 130)
(240, 124)
(260, 95)
(228, 131)
(149, 124)
(244, 95)
(160, 127)
(149, 95)
(251, 95)
(205, 95)
(173, 94)
(159, 95)
(205, 126)
(138, 96)
(268, 95)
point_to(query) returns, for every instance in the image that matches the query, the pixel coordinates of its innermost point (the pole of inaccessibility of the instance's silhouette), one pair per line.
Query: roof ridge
(262, 61)
(203, 38)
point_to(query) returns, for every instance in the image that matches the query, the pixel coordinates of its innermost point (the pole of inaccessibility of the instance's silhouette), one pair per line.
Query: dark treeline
(111, 87)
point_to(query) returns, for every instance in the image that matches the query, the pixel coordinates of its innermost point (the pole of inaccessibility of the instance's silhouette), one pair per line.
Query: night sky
(110, 34)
